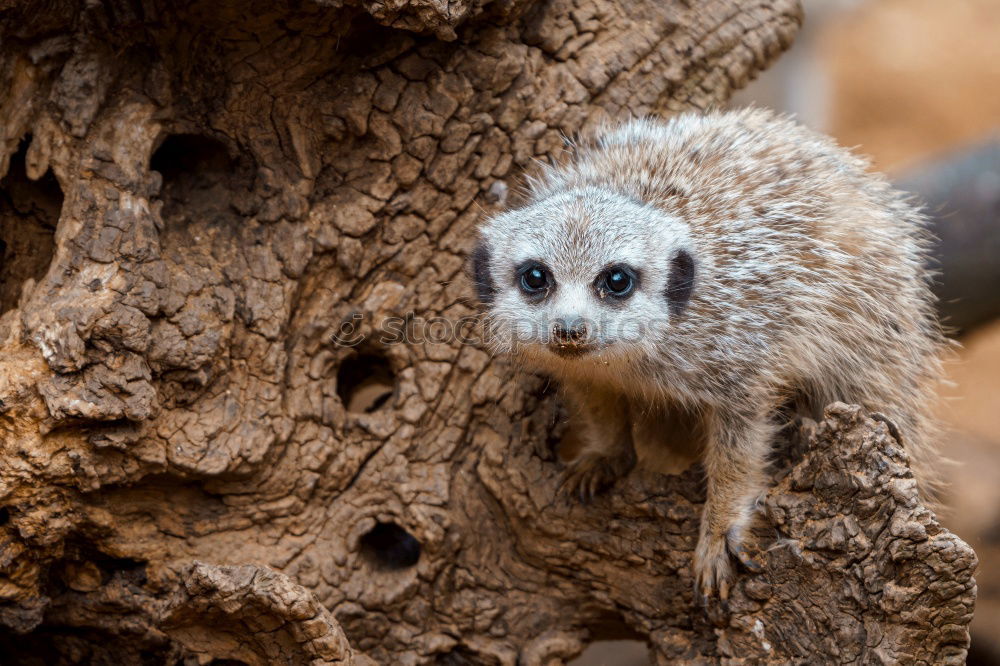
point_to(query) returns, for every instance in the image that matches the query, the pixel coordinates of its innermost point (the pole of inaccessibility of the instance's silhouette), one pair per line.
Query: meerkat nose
(569, 330)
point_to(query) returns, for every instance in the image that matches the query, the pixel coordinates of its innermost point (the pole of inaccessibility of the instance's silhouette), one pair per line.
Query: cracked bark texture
(200, 198)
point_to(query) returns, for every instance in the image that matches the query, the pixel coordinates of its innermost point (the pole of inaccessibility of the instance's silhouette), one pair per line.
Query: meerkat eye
(535, 278)
(619, 281)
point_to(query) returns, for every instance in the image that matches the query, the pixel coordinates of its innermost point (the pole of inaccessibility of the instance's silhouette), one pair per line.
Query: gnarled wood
(229, 429)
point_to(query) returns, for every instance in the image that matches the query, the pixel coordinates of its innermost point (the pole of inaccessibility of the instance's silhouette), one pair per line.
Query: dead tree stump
(237, 420)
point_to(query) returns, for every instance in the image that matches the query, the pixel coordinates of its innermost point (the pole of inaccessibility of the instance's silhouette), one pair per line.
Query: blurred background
(915, 85)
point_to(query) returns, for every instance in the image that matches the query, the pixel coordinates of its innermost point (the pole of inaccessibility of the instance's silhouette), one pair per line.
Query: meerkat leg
(734, 464)
(601, 419)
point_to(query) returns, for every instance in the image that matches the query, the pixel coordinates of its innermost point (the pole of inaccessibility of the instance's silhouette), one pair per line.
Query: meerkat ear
(681, 282)
(485, 288)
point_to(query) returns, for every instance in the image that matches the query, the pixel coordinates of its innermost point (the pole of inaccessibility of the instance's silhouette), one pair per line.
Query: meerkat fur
(721, 265)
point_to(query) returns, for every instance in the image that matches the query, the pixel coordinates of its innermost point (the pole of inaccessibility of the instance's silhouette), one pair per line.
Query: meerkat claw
(749, 562)
(587, 479)
(713, 567)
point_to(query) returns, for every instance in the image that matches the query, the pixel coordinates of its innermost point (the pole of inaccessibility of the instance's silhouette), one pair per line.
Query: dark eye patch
(681, 282)
(486, 290)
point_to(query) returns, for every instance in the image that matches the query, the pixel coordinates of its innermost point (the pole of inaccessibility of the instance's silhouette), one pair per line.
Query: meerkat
(722, 266)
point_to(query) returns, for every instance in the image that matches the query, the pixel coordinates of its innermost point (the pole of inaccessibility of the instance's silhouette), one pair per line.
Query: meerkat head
(583, 274)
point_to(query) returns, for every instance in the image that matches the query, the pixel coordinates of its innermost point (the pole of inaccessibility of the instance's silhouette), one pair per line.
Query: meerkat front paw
(713, 563)
(713, 568)
(589, 476)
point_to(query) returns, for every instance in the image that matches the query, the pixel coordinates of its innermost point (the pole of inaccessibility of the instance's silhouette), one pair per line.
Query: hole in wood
(613, 642)
(190, 157)
(460, 656)
(81, 555)
(365, 383)
(199, 181)
(619, 653)
(29, 212)
(389, 546)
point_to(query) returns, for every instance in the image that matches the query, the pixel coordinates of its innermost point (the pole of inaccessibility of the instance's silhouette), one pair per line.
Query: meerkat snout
(571, 337)
(570, 330)
(719, 263)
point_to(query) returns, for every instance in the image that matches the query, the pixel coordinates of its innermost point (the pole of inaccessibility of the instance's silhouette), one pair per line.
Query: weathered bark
(201, 461)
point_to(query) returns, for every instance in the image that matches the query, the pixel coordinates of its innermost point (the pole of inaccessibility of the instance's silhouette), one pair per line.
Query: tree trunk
(238, 420)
